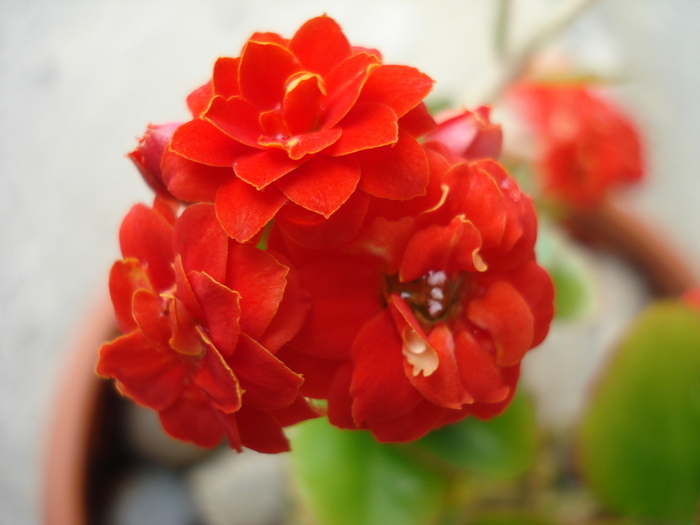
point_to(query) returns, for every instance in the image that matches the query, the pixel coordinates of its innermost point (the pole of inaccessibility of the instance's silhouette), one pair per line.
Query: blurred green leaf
(639, 442)
(347, 478)
(511, 518)
(504, 447)
(573, 285)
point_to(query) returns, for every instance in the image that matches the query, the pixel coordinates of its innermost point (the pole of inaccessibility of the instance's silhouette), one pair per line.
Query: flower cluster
(588, 146)
(317, 235)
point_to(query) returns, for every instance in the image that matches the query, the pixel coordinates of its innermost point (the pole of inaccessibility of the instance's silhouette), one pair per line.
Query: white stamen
(434, 308)
(437, 294)
(436, 278)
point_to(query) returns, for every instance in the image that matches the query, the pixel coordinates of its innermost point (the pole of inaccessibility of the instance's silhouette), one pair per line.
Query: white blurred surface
(80, 79)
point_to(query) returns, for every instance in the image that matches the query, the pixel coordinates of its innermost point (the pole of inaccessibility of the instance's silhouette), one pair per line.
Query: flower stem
(513, 66)
(501, 32)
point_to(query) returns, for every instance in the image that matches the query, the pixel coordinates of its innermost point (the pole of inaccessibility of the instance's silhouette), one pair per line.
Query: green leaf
(504, 447)
(573, 285)
(347, 478)
(639, 442)
(511, 518)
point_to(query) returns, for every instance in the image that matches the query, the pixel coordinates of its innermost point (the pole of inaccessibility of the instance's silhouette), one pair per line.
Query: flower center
(430, 296)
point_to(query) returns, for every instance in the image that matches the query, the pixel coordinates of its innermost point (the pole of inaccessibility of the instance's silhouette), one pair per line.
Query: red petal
(260, 280)
(444, 386)
(222, 312)
(380, 388)
(147, 236)
(401, 88)
(200, 141)
(230, 428)
(201, 241)
(190, 181)
(236, 117)
(263, 167)
(469, 134)
(366, 126)
(385, 240)
(150, 316)
(125, 278)
(267, 382)
(452, 248)
(270, 38)
(225, 77)
(340, 306)
(152, 378)
(483, 202)
(261, 432)
(298, 411)
(302, 102)
(219, 382)
(192, 418)
(300, 145)
(185, 338)
(409, 427)
(198, 100)
(418, 121)
(243, 211)
(312, 230)
(480, 375)
(507, 317)
(264, 70)
(509, 377)
(343, 85)
(535, 286)
(318, 373)
(148, 155)
(399, 171)
(290, 315)
(322, 184)
(184, 292)
(320, 45)
(339, 400)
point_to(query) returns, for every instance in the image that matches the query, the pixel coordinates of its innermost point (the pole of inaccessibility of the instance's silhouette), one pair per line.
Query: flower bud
(149, 152)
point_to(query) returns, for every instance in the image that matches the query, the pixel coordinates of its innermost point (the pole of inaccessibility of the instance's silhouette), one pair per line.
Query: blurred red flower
(424, 319)
(588, 145)
(202, 317)
(303, 131)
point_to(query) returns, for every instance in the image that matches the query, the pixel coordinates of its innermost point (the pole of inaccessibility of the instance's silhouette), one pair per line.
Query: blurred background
(80, 80)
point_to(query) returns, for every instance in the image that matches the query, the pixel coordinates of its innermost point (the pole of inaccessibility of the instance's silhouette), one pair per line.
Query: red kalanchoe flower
(304, 131)
(203, 317)
(588, 145)
(424, 320)
(470, 135)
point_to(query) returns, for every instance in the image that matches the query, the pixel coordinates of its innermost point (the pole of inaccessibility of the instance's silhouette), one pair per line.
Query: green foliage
(504, 447)
(639, 442)
(573, 285)
(347, 478)
(510, 519)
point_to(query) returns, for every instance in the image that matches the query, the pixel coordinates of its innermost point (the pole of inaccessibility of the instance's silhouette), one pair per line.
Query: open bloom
(588, 147)
(303, 131)
(424, 319)
(202, 317)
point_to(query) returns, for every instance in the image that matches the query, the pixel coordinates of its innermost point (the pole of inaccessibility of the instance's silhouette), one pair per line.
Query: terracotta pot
(80, 443)
(84, 448)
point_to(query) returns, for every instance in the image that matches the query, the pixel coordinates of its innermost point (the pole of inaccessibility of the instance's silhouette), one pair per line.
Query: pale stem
(503, 11)
(513, 66)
